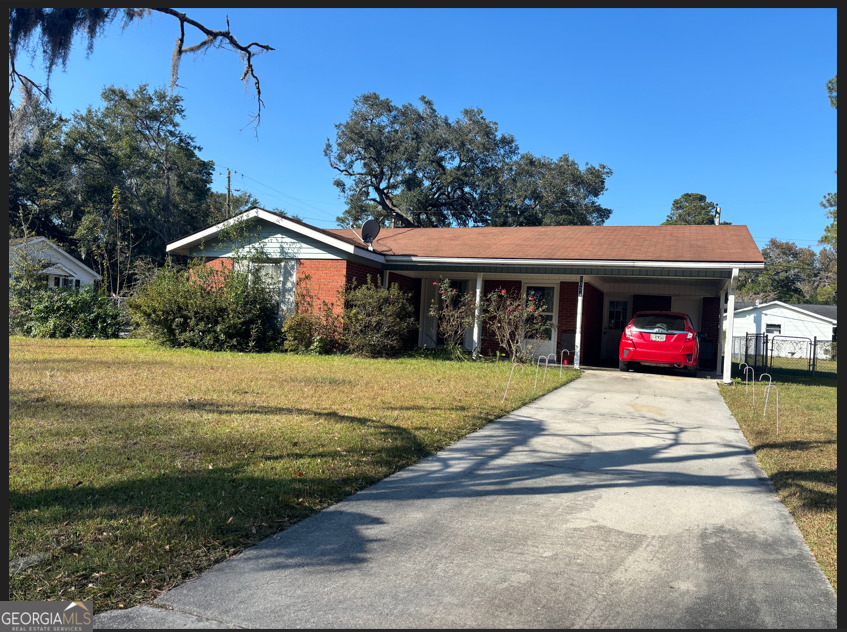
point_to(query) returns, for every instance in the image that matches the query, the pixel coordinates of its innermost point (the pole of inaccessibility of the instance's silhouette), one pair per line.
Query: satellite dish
(370, 230)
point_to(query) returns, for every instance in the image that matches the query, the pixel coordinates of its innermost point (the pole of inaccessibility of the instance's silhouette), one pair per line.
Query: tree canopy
(692, 208)
(112, 185)
(413, 166)
(791, 275)
(51, 33)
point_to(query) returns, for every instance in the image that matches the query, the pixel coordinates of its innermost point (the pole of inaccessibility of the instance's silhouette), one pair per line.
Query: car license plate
(657, 337)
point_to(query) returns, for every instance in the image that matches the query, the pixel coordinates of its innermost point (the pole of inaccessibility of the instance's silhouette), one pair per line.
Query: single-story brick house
(592, 277)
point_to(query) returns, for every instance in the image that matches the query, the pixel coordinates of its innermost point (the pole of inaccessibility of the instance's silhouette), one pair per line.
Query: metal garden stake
(514, 364)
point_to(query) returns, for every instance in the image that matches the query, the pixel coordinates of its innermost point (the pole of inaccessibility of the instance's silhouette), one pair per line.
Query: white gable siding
(791, 322)
(275, 241)
(61, 268)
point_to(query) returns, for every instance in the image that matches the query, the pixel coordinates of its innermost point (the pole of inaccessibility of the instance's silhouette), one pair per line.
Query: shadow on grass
(210, 496)
(801, 483)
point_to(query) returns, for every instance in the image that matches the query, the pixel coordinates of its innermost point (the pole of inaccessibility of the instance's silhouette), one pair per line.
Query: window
(617, 314)
(773, 329)
(280, 276)
(660, 323)
(544, 296)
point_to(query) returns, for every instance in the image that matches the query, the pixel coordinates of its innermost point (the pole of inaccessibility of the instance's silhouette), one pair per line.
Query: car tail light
(689, 336)
(627, 332)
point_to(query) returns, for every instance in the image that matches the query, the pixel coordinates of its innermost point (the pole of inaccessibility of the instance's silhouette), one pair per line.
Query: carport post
(730, 328)
(477, 320)
(718, 363)
(576, 346)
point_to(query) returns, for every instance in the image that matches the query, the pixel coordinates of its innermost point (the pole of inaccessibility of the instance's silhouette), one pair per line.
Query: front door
(545, 297)
(617, 316)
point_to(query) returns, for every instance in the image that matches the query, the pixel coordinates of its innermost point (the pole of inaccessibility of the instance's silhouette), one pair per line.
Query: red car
(665, 339)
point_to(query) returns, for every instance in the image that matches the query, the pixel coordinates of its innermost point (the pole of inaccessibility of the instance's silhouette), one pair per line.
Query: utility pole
(227, 193)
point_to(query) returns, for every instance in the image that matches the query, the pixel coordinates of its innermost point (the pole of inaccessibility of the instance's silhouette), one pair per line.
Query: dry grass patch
(802, 460)
(133, 468)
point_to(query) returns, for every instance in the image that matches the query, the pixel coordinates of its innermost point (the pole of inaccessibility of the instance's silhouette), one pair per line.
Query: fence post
(813, 356)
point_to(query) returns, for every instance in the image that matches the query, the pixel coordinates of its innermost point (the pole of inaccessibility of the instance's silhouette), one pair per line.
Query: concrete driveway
(620, 500)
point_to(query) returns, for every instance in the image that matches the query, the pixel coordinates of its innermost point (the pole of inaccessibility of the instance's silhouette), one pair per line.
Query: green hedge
(210, 309)
(66, 313)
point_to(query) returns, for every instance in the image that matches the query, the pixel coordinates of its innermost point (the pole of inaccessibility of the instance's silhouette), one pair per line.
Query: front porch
(587, 312)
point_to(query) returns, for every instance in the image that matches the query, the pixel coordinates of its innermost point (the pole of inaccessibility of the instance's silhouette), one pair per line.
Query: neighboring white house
(790, 327)
(62, 269)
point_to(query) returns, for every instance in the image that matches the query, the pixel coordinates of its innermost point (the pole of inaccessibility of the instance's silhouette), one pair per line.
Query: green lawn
(802, 460)
(133, 468)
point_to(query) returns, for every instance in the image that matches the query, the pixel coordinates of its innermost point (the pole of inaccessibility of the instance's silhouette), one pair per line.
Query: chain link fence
(786, 354)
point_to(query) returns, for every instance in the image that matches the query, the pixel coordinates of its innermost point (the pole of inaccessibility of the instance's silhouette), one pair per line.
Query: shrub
(205, 308)
(376, 319)
(513, 322)
(455, 314)
(68, 313)
(311, 329)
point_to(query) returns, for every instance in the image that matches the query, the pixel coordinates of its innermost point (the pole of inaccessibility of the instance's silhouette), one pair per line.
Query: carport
(604, 274)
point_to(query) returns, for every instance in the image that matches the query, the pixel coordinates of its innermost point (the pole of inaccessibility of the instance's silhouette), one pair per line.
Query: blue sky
(730, 103)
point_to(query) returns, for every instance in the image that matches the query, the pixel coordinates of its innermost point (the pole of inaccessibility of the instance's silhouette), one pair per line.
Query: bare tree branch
(30, 23)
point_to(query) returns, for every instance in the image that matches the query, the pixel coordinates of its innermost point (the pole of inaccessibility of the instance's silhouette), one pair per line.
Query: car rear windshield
(659, 322)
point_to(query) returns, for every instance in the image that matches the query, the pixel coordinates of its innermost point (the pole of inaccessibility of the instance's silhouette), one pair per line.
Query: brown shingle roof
(723, 243)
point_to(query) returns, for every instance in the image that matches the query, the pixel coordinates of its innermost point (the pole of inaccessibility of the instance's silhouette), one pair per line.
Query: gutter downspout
(577, 345)
(730, 329)
(477, 320)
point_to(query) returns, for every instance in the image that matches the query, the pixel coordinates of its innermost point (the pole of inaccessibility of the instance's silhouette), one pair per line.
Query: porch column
(385, 279)
(477, 317)
(718, 363)
(577, 341)
(730, 328)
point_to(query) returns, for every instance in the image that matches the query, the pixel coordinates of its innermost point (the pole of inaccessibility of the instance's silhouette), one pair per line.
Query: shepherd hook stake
(537, 366)
(753, 371)
(562, 364)
(767, 392)
(514, 364)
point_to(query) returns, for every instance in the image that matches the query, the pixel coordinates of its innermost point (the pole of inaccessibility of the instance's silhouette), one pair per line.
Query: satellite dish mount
(370, 230)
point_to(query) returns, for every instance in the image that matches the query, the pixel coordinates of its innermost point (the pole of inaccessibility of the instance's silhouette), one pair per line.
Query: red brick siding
(327, 277)
(710, 321)
(710, 325)
(411, 286)
(217, 263)
(360, 273)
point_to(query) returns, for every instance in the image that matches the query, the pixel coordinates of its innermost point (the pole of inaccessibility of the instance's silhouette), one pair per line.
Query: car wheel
(623, 366)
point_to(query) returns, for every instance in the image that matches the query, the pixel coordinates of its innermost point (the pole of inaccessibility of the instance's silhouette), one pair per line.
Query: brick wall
(710, 325)
(217, 263)
(360, 273)
(710, 322)
(327, 277)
